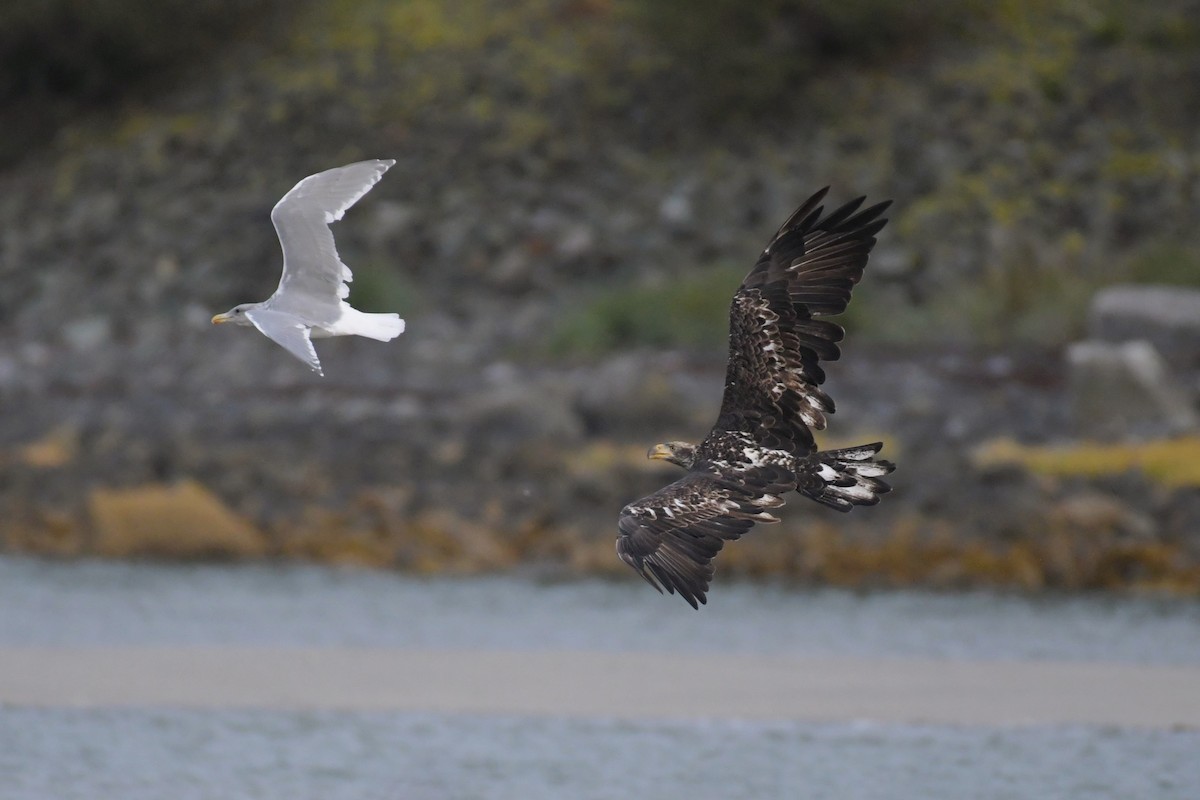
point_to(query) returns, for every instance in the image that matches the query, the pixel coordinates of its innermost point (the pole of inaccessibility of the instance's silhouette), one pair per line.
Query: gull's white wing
(314, 277)
(288, 332)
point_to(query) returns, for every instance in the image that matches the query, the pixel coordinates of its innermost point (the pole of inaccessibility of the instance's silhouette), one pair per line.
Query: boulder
(1125, 390)
(182, 521)
(1166, 316)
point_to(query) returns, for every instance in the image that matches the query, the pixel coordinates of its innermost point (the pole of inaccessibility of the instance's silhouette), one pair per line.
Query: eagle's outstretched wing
(772, 383)
(772, 403)
(670, 537)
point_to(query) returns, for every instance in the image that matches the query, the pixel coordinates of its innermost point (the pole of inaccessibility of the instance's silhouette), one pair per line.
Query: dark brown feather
(762, 444)
(670, 537)
(775, 345)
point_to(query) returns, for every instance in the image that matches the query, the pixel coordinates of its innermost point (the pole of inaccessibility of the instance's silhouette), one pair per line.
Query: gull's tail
(382, 327)
(850, 477)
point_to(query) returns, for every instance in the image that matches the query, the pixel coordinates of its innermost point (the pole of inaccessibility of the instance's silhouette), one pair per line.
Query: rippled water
(171, 754)
(138, 754)
(80, 603)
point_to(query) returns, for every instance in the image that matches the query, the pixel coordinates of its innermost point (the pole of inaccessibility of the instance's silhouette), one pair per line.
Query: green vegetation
(380, 286)
(691, 312)
(1171, 462)
(607, 61)
(1060, 178)
(1024, 302)
(1032, 298)
(1062, 134)
(740, 58)
(1024, 296)
(1165, 261)
(513, 71)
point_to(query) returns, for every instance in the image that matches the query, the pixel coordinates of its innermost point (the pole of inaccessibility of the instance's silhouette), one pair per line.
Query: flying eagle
(762, 445)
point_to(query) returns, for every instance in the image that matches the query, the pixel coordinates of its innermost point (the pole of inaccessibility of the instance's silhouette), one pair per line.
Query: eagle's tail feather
(852, 476)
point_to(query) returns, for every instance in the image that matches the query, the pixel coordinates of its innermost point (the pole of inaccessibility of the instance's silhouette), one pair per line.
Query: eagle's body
(762, 447)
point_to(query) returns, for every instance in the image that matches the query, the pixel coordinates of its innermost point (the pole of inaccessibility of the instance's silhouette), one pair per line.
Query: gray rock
(513, 408)
(644, 394)
(1166, 316)
(1124, 390)
(389, 221)
(575, 241)
(677, 208)
(87, 334)
(513, 269)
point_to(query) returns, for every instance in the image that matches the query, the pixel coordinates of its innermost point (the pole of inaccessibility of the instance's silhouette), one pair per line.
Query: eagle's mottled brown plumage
(762, 445)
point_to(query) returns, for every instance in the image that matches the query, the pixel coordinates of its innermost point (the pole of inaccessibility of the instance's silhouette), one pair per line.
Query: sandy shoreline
(605, 684)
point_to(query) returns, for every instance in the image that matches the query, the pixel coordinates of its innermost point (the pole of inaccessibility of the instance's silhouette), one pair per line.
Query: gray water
(171, 754)
(136, 753)
(103, 603)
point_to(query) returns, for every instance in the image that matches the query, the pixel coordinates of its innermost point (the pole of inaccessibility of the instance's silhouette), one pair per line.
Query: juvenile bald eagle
(762, 445)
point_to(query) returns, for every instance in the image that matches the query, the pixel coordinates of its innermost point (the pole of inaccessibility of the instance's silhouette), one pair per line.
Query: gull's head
(680, 453)
(236, 315)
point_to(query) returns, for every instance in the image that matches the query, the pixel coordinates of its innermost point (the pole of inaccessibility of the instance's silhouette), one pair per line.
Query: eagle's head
(680, 453)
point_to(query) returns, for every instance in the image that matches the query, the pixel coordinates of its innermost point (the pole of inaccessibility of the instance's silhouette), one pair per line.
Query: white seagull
(310, 302)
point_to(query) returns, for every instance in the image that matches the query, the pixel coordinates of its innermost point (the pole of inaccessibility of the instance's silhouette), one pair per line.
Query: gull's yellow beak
(220, 318)
(660, 452)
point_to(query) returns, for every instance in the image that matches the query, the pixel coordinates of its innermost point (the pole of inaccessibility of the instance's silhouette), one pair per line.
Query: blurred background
(579, 187)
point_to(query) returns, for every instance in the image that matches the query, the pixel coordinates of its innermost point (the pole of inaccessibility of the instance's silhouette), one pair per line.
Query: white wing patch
(871, 469)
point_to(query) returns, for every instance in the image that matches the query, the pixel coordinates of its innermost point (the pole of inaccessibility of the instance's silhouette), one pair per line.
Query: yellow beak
(660, 452)
(220, 318)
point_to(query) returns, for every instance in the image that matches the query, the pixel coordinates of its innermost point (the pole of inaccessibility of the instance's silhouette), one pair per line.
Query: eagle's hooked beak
(660, 452)
(221, 318)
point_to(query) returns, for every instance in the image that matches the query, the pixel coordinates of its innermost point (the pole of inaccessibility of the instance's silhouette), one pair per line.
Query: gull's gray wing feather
(288, 332)
(314, 277)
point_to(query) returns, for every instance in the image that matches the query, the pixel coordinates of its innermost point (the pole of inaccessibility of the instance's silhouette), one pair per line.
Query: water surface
(133, 754)
(140, 753)
(105, 603)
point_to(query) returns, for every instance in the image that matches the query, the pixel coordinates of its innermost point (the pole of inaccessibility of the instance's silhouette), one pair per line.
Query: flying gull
(762, 448)
(310, 302)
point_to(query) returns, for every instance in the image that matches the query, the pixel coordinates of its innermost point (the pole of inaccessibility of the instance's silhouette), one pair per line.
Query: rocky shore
(526, 467)
(509, 425)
